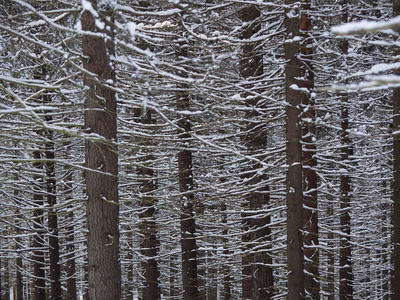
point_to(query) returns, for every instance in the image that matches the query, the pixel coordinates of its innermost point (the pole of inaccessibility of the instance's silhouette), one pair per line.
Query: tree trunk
(187, 223)
(310, 197)
(54, 248)
(102, 207)
(294, 175)
(257, 282)
(395, 274)
(70, 240)
(148, 226)
(39, 291)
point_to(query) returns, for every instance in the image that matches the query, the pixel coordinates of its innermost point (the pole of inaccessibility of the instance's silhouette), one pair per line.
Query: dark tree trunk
(148, 226)
(102, 207)
(187, 222)
(39, 291)
(257, 282)
(310, 197)
(70, 241)
(345, 263)
(227, 280)
(54, 250)
(19, 279)
(185, 182)
(294, 176)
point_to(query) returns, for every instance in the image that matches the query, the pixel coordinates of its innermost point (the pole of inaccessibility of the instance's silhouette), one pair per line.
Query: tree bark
(257, 281)
(70, 240)
(187, 220)
(39, 287)
(294, 175)
(102, 207)
(148, 226)
(54, 247)
(309, 136)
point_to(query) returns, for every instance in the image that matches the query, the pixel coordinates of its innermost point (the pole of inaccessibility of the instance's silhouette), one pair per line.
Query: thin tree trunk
(18, 261)
(226, 292)
(395, 272)
(185, 181)
(148, 226)
(54, 250)
(257, 282)
(294, 175)
(39, 291)
(187, 220)
(310, 197)
(70, 240)
(102, 207)
(345, 263)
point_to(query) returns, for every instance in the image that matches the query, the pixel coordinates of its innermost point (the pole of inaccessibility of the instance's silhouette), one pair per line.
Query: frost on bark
(102, 207)
(257, 281)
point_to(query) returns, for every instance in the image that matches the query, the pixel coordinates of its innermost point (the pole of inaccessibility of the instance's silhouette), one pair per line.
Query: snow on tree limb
(365, 26)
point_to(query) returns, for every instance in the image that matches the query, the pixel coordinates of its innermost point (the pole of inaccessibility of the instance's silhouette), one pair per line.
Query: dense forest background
(216, 149)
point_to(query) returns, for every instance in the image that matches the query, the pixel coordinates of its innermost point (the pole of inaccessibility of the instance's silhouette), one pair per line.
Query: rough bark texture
(294, 176)
(395, 274)
(148, 226)
(102, 207)
(310, 197)
(257, 282)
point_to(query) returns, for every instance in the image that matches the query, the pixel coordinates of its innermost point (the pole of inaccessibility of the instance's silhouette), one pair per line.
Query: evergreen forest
(199, 149)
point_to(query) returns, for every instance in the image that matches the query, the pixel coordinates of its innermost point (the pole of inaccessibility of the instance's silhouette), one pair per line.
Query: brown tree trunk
(310, 197)
(148, 226)
(345, 263)
(187, 223)
(19, 279)
(227, 280)
(70, 241)
(257, 282)
(102, 207)
(54, 250)
(39, 291)
(294, 175)
(185, 182)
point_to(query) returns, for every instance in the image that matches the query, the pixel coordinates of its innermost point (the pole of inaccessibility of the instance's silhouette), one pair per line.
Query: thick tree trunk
(257, 282)
(102, 207)
(294, 176)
